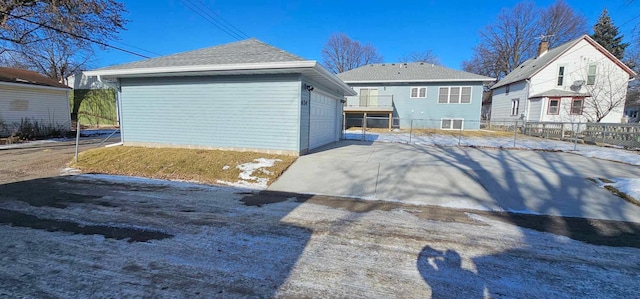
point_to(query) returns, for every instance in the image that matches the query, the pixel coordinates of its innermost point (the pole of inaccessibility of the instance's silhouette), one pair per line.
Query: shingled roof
(407, 72)
(246, 57)
(19, 76)
(529, 68)
(245, 51)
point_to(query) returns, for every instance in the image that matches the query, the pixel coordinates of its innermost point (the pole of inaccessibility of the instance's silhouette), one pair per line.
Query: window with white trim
(576, 106)
(418, 92)
(591, 74)
(554, 106)
(515, 106)
(454, 95)
(560, 75)
(451, 123)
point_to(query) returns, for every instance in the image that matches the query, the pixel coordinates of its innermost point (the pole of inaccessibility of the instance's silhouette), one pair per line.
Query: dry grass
(206, 166)
(466, 133)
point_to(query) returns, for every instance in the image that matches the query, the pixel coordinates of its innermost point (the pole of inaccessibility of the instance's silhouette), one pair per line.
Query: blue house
(420, 94)
(246, 96)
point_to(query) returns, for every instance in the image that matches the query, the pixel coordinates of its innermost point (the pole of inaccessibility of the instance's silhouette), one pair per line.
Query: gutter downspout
(528, 107)
(119, 108)
(306, 86)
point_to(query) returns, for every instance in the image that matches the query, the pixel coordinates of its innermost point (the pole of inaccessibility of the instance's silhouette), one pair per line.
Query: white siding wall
(611, 81)
(501, 101)
(50, 106)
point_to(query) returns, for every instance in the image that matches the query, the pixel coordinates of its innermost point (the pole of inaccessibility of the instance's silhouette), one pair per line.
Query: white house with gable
(578, 81)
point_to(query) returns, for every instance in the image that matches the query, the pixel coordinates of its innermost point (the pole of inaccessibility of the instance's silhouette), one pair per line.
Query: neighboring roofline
(286, 67)
(333, 78)
(420, 80)
(576, 41)
(36, 86)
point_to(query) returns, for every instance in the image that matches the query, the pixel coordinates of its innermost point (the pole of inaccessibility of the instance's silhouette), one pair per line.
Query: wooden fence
(626, 135)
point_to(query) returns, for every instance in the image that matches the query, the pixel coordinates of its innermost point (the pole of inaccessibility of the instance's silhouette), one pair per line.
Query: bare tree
(55, 56)
(512, 38)
(561, 23)
(607, 93)
(426, 56)
(341, 54)
(26, 22)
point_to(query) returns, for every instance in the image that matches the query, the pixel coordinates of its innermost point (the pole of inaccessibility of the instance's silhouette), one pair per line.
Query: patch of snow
(69, 171)
(30, 143)
(145, 181)
(521, 143)
(242, 184)
(226, 167)
(629, 186)
(246, 175)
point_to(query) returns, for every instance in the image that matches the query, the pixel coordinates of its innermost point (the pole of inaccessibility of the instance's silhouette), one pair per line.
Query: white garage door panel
(323, 120)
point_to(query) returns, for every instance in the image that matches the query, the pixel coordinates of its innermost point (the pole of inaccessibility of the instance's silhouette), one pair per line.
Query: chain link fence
(446, 130)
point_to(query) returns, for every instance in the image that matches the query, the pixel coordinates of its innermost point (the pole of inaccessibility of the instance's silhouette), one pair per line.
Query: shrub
(31, 129)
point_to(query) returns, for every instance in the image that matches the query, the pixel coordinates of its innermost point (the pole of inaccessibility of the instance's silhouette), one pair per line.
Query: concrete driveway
(547, 183)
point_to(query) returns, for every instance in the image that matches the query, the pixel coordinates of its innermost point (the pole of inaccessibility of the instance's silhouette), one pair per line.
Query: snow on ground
(521, 142)
(221, 248)
(140, 180)
(246, 177)
(628, 186)
(32, 143)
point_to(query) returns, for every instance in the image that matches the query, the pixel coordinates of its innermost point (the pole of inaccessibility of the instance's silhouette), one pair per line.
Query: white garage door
(324, 120)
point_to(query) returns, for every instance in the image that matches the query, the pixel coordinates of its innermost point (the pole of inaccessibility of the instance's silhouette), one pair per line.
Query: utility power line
(207, 8)
(74, 35)
(215, 19)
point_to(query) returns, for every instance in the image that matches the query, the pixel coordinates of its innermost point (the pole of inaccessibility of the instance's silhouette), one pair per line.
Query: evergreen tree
(606, 34)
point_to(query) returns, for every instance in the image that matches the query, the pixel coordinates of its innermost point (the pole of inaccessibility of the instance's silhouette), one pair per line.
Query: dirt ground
(41, 160)
(97, 236)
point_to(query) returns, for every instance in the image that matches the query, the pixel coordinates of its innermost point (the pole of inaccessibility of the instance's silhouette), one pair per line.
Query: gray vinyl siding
(427, 112)
(536, 109)
(253, 112)
(501, 102)
(48, 106)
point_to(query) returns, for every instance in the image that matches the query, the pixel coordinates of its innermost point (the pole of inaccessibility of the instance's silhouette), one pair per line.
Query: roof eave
(37, 86)
(222, 69)
(132, 72)
(421, 80)
(348, 91)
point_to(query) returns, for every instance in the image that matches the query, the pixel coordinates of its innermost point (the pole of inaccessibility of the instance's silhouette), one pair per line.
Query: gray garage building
(245, 95)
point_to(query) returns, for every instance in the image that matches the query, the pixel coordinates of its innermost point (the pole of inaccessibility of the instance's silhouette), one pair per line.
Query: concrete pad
(505, 180)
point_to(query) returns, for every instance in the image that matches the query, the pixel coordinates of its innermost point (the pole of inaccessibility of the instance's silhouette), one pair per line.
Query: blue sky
(395, 28)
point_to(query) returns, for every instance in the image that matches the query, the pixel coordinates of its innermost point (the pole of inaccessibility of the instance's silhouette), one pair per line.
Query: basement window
(451, 123)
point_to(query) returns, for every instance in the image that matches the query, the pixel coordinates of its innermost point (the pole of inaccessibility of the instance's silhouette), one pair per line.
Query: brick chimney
(543, 46)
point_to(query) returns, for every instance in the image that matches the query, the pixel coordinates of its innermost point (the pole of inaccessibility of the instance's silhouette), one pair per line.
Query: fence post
(364, 123)
(544, 130)
(460, 134)
(515, 133)
(575, 137)
(410, 131)
(77, 137)
(604, 133)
